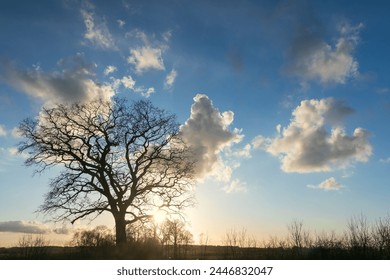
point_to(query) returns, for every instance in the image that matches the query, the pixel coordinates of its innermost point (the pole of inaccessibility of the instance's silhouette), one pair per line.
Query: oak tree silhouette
(125, 158)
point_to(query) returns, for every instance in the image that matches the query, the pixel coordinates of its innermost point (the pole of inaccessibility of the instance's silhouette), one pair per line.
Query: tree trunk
(120, 230)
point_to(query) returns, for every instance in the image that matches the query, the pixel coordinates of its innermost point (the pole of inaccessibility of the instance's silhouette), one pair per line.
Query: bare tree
(298, 237)
(100, 236)
(174, 233)
(358, 236)
(125, 159)
(32, 247)
(381, 236)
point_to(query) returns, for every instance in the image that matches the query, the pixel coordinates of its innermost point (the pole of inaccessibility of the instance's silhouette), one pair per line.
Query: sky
(286, 103)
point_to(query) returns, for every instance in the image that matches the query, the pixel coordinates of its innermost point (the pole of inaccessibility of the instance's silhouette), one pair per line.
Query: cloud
(208, 132)
(15, 132)
(235, 186)
(312, 58)
(129, 83)
(386, 160)
(97, 31)
(109, 69)
(316, 141)
(170, 79)
(260, 142)
(71, 85)
(13, 151)
(328, 185)
(244, 152)
(24, 227)
(121, 23)
(3, 131)
(148, 56)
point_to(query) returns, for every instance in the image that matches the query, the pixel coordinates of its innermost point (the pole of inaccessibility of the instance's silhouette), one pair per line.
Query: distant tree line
(171, 239)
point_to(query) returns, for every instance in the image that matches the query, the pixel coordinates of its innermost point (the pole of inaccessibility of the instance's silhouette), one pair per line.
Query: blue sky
(287, 101)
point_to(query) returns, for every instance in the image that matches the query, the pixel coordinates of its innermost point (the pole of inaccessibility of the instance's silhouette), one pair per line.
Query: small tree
(381, 236)
(32, 247)
(128, 160)
(173, 233)
(358, 237)
(101, 236)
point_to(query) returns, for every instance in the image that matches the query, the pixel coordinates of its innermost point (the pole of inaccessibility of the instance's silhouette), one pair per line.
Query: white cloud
(235, 186)
(208, 132)
(260, 142)
(129, 83)
(329, 185)
(109, 69)
(244, 152)
(149, 55)
(307, 145)
(146, 58)
(72, 85)
(314, 59)
(3, 131)
(170, 79)
(96, 30)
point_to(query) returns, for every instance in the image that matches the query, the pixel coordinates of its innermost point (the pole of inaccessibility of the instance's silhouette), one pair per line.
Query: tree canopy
(125, 158)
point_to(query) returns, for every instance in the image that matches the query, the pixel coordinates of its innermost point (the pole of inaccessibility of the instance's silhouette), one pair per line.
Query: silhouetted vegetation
(125, 159)
(171, 240)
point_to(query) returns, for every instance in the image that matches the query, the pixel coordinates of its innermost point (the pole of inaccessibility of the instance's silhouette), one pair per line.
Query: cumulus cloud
(315, 140)
(3, 131)
(170, 79)
(71, 85)
(97, 31)
(328, 185)
(146, 58)
(208, 132)
(312, 58)
(24, 227)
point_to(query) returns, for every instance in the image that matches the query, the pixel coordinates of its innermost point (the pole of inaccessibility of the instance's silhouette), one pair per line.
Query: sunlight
(159, 216)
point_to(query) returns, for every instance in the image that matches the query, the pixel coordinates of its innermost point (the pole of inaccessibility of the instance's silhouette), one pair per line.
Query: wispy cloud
(121, 23)
(306, 145)
(3, 131)
(235, 186)
(109, 70)
(97, 32)
(170, 79)
(329, 184)
(386, 160)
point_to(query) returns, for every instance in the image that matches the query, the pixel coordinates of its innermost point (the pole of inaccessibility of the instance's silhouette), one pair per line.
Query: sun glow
(159, 216)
